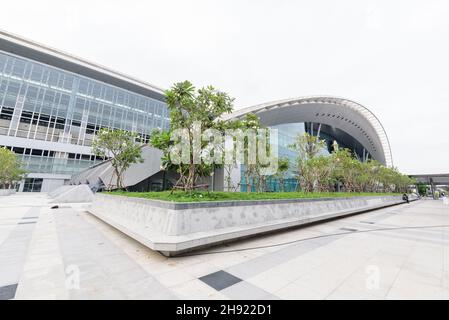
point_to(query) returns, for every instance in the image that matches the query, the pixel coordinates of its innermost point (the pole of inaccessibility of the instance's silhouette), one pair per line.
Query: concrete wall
(51, 184)
(71, 194)
(176, 227)
(6, 192)
(50, 181)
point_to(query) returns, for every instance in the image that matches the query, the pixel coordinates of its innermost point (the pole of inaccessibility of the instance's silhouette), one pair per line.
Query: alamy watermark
(233, 146)
(372, 281)
(72, 280)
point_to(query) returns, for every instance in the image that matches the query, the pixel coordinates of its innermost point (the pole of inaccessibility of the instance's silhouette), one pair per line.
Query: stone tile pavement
(66, 253)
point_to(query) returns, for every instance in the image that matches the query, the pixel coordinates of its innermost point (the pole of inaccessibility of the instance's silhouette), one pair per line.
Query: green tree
(10, 171)
(421, 188)
(308, 147)
(123, 149)
(251, 170)
(321, 168)
(283, 166)
(188, 106)
(369, 176)
(348, 170)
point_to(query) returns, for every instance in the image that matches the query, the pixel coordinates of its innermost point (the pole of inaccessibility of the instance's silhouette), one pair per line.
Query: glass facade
(45, 103)
(32, 185)
(286, 137)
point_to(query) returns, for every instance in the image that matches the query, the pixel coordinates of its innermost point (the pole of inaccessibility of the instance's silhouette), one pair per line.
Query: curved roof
(344, 114)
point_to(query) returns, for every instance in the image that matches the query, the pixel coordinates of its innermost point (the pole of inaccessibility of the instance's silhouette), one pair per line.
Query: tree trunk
(117, 174)
(191, 178)
(248, 184)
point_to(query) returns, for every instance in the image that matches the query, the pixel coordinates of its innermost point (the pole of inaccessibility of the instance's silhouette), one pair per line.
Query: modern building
(333, 119)
(52, 104)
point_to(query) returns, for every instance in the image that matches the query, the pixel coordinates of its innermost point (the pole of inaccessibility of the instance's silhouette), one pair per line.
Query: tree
(421, 188)
(319, 173)
(369, 175)
(308, 147)
(10, 171)
(347, 169)
(283, 166)
(251, 170)
(188, 107)
(321, 168)
(122, 147)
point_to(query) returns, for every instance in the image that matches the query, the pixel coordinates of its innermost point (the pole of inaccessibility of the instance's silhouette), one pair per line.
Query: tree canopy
(320, 173)
(192, 111)
(123, 149)
(10, 171)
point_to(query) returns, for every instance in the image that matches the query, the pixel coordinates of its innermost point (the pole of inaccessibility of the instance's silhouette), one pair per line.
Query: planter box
(173, 228)
(6, 192)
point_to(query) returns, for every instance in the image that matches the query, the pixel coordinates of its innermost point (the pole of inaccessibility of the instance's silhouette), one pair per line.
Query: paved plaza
(400, 252)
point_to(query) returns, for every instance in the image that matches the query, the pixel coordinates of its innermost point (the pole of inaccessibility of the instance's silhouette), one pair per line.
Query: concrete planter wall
(173, 228)
(6, 192)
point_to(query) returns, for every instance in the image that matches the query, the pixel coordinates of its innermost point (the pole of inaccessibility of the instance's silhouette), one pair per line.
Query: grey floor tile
(220, 280)
(8, 292)
(106, 272)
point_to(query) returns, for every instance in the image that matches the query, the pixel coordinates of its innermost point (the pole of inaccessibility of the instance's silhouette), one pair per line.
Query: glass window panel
(3, 59)
(36, 73)
(49, 97)
(53, 78)
(19, 68)
(28, 68)
(8, 66)
(83, 86)
(108, 94)
(11, 94)
(120, 97)
(132, 101)
(96, 90)
(30, 98)
(79, 104)
(45, 75)
(68, 82)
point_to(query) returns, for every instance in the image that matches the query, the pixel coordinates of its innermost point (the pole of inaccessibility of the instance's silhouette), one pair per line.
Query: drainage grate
(8, 292)
(348, 229)
(30, 217)
(220, 280)
(27, 222)
(368, 222)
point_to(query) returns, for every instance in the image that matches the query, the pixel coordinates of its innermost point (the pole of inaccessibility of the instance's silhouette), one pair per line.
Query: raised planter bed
(177, 227)
(7, 192)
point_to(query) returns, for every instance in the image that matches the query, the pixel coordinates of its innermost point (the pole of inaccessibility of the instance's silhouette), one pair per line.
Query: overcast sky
(390, 56)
